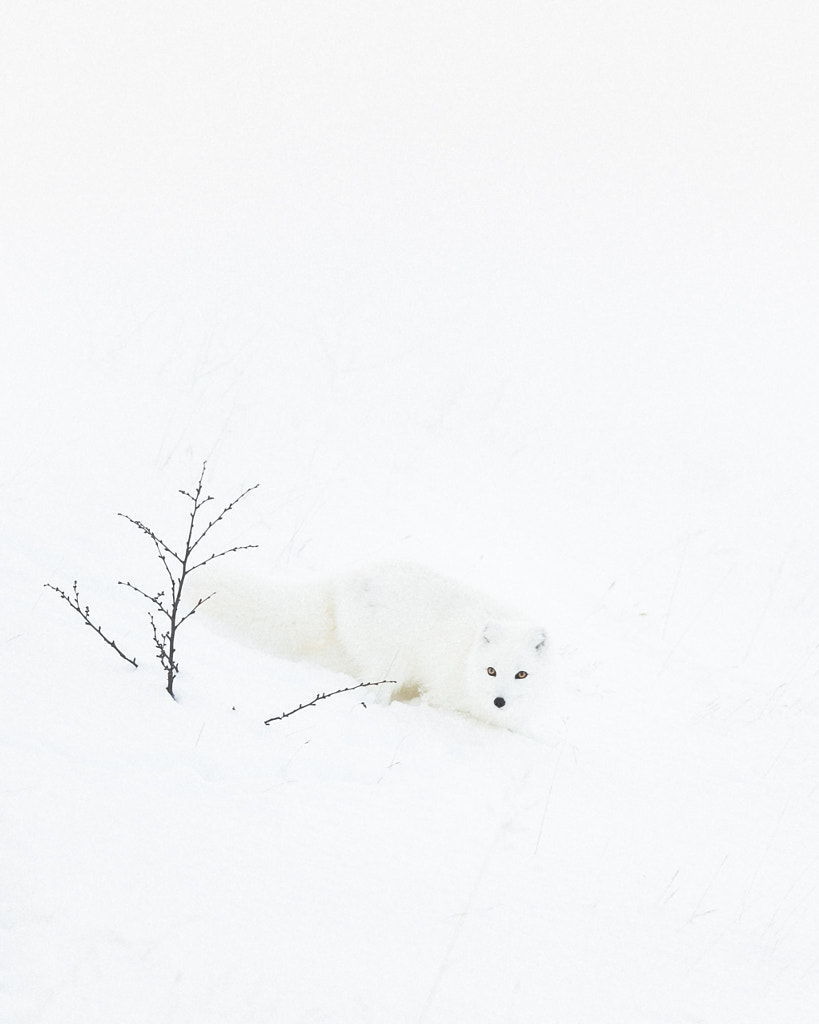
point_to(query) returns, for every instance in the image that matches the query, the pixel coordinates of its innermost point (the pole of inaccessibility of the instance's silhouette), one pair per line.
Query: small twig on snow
(85, 614)
(324, 696)
(165, 640)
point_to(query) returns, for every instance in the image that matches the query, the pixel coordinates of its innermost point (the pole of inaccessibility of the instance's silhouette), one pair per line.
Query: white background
(526, 292)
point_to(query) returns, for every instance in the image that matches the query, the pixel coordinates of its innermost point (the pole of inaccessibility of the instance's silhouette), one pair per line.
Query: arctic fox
(399, 622)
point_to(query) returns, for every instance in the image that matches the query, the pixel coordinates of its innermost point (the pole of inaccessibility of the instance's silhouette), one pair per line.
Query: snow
(526, 293)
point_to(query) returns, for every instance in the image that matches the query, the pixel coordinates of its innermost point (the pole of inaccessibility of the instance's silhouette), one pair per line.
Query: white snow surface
(527, 293)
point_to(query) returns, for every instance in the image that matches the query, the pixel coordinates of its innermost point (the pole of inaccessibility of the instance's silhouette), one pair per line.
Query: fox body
(399, 622)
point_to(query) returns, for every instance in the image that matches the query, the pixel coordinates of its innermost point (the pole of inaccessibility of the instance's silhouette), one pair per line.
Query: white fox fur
(399, 622)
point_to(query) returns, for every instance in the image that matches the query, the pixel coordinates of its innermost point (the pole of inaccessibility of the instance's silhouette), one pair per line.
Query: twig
(224, 512)
(324, 696)
(85, 613)
(165, 640)
(161, 545)
(221, 554)
(177, 566)
(148, 597)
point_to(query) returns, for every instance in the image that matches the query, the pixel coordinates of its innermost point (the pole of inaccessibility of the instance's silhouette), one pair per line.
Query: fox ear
(539, 640)
(491, 632)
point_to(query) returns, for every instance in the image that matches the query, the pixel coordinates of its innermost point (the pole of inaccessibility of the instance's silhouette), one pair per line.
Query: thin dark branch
(85, 613)
(193, 610)
(221, 515)
(171, 607)
(154, 600)
(177, 568)
(220, 554)
(162, 642)
(158, 640)
(195, 497)
(150, 533)
(324, 696)
(168, 570)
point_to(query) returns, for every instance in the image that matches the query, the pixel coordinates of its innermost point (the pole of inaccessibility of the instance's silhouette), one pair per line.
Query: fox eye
(521, 675)
(491, 671)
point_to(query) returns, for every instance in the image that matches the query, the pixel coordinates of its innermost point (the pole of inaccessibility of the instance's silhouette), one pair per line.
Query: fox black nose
(499, 702)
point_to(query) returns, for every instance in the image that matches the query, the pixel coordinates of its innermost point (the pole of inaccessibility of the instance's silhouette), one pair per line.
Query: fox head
(507, 667)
